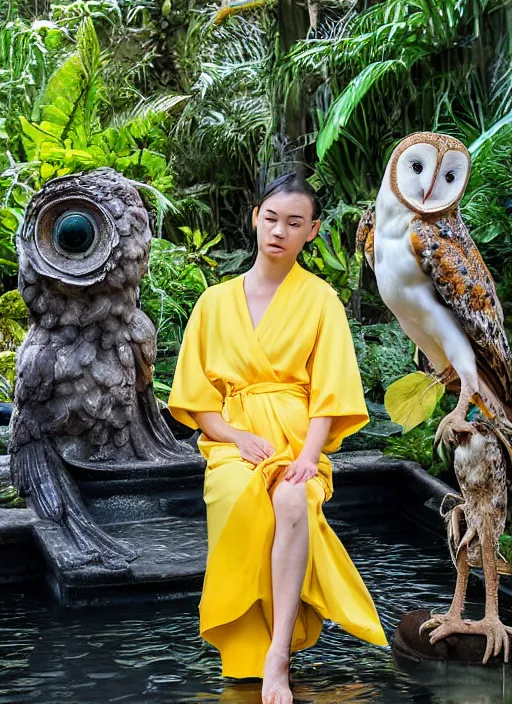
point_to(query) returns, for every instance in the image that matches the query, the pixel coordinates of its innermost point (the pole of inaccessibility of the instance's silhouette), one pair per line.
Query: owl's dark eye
(450, 177)
(417, 167)
(74, 232)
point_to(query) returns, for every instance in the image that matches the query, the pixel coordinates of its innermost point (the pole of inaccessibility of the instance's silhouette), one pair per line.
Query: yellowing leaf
(412, 399)
(197, 238)
(47, 171)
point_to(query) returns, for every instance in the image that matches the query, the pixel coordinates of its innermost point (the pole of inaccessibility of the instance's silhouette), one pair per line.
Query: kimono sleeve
(335, 381)
(191, 389)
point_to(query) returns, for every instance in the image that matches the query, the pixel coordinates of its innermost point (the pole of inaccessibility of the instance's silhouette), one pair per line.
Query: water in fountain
(153, 653)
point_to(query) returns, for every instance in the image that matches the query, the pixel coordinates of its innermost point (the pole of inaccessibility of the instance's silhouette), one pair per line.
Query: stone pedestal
(409, 646)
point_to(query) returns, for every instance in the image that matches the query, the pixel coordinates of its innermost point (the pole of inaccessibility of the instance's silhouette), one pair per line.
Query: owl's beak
(429, 192)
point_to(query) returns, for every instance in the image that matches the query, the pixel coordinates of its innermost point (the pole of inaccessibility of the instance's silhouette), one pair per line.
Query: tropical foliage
(202, 103)
(13, 321)
(417, 445)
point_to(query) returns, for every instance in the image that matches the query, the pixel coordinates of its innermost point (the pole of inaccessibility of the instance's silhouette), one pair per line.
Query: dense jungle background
(204, 103)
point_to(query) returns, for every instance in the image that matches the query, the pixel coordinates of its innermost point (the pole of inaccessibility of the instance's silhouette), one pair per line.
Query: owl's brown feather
(449, 256)
(365, 235)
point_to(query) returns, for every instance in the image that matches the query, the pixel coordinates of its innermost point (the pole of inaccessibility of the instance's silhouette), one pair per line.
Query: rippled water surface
(152, 653)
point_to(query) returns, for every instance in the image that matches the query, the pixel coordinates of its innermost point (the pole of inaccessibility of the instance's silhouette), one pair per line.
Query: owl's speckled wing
(449, 256)
(364, 236)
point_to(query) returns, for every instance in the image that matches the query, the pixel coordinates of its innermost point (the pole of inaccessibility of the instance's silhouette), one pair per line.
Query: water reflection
(343, 694)
(458, 684)
(153, 653)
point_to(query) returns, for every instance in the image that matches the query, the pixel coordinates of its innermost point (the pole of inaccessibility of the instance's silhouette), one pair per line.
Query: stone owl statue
(431, 276)
(84, 396)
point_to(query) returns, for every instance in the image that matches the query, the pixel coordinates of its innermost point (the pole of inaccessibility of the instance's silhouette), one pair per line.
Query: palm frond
(151, 108)
(479, 143)
(162, 204)
(343, 107)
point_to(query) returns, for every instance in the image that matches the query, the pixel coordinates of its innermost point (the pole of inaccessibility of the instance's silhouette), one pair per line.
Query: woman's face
(284, 223)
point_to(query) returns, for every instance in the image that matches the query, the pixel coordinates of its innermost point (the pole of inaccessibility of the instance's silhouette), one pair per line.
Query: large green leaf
(33, 137)
(70, 100)
(90, 58)
(343, 107)
(477, 145)
(328, 257)
(192, 277)
(64, 88)
(212, 242)
(152, 109)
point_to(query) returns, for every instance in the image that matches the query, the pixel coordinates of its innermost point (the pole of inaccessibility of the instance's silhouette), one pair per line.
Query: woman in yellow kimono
(267, 370)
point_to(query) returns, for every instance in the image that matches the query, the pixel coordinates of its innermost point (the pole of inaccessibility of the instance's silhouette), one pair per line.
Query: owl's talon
(450, 427)
(446, 629)
(497, 633)
(439, 621)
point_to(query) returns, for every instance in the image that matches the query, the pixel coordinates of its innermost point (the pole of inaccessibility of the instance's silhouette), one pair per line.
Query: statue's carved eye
(71, 239)
(74, 232)
(417, 167)
(450, 177)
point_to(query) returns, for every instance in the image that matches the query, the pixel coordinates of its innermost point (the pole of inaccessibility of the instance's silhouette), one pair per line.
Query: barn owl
(84, 395)
(431, 276)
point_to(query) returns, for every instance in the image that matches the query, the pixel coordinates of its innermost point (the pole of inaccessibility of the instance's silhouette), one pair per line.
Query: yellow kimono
(298, 363)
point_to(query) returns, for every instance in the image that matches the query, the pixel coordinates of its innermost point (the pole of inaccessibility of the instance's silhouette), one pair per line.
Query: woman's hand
(300, 470)
(253, 448)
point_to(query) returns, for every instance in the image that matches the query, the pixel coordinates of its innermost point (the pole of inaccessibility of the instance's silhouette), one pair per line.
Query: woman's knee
(289, 501)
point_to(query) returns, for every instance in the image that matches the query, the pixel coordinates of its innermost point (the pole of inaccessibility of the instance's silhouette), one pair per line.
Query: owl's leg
(151, 437)
(451, 622)
(496, 632)
(457, 351)
(455, 423)
(490, 626)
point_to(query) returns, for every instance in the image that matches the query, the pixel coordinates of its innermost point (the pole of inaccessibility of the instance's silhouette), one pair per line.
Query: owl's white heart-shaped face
(429, 172)
(429, 182)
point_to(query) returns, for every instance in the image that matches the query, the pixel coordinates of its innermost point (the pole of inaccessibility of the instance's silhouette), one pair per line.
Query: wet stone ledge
(164, 519)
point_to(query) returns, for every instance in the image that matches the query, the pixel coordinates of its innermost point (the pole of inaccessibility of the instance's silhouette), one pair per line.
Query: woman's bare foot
(276, 684)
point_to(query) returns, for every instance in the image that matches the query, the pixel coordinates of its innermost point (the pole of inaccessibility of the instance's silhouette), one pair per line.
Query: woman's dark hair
(292, 182)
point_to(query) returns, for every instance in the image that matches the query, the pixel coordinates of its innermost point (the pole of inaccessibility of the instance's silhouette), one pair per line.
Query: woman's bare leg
(289, 561)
